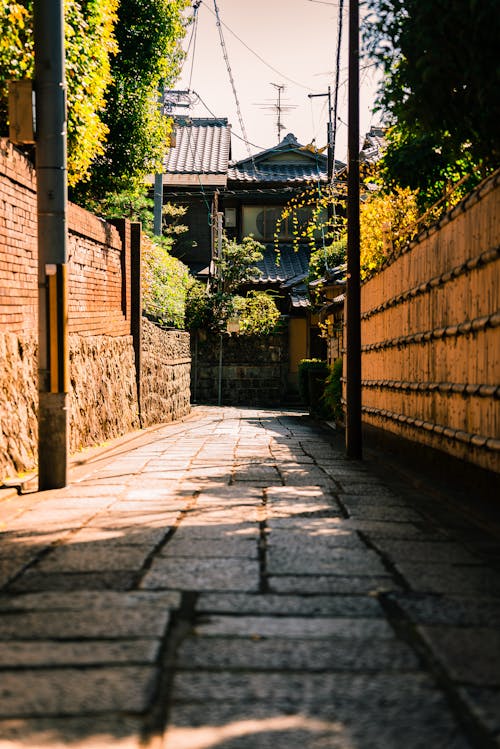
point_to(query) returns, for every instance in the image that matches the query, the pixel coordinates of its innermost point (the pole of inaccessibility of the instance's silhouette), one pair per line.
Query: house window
(261, 221)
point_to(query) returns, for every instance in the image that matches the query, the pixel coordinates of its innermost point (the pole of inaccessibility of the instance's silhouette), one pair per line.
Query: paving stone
(332, 584)
(91, 600)
(228, 574)
(373, 692)
(218, 531)
(469, 655)
(283, 727)
(88, 624)
(295, 627)
(70, 691)
(372, 512)
(110, 537)
(90, 653)
(484, 704)
(428, 551)
(449, 579)
(329, 654)
(283, 534)
(452, 610)
(37, 581)
(90, 557)
(382, 529)
(202, 548)
(93, 732)
(308, 606)
(322, 562)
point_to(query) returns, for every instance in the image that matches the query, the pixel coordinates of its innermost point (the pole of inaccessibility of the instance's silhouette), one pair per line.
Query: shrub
(332, 394)
(306, 366)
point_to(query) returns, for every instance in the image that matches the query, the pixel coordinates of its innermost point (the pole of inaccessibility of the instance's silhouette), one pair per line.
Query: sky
(296, 42)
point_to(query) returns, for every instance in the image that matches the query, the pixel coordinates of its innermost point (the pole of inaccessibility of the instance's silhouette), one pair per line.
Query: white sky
(297, 38)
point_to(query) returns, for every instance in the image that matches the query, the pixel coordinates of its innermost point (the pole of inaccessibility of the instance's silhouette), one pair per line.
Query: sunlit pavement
(234, 582)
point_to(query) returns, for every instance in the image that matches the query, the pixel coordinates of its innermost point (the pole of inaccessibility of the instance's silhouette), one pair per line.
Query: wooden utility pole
(353, 299)
(51, 173)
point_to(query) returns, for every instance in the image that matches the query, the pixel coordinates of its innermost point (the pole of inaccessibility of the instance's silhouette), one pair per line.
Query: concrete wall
(431, 335)
(254, 370)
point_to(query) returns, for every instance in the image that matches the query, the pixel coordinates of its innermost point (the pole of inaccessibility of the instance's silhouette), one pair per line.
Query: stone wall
(254, 369)
(104, 388)
(18, 404)
(103, 395)
(165, 374)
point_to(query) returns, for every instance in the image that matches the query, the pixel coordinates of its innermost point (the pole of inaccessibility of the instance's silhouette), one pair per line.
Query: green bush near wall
(312, 374)
(332, 395)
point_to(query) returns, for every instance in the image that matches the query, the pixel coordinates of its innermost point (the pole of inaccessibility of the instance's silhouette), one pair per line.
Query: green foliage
(318, 368)
(148, 33)
(166, 282)
(90, 42)
(308, 212)
(237, 263)
(211, 308)
(332, 395)
(131, 204)
(16, 50)
(90, 45)
(198, 310)
(257, 312)
(327, 258)
(116, 58)
(440, 89)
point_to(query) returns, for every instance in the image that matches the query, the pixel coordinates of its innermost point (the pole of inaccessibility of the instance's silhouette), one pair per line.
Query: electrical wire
(195, 35)
(233, 85)
(336, 87)
(275, 70)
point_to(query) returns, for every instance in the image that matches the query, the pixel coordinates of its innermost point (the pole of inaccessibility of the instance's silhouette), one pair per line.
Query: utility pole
(329, 133)
(51, 172)
(158, 189)
(167, 100)
(353, 301)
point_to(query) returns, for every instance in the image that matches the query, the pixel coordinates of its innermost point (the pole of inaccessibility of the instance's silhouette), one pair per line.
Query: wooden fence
(430, 330)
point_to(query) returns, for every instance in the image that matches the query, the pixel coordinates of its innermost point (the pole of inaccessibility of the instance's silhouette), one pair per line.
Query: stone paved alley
(234, 582)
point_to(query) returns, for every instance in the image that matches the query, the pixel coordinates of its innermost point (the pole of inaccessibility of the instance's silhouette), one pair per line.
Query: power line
(271, 67)
(194, 34)
(261, 148)
(233, 85)
(336, 91)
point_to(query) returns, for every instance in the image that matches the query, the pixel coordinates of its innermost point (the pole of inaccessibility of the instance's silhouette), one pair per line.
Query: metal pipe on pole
(51, 172)
(353, 291)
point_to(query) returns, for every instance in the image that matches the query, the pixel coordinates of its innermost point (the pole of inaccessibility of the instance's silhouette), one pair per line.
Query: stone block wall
(18, 403)
(103, 395)
(165, 374)
(254, 369)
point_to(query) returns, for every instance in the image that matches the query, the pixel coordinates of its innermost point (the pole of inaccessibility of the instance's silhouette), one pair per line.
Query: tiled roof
(291, 264)
(279, 172)
(374, 144)
(202, 146)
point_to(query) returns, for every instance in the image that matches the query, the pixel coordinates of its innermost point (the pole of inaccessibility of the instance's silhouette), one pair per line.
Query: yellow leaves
(387, 221)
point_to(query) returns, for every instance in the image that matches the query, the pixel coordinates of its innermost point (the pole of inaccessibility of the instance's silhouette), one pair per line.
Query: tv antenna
(173, 99)
(278, 107)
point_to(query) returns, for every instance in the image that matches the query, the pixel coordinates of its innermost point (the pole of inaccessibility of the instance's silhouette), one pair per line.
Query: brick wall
(103, 394)
(99, 293)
